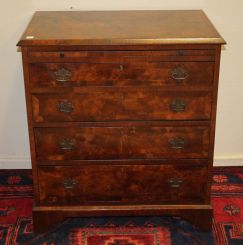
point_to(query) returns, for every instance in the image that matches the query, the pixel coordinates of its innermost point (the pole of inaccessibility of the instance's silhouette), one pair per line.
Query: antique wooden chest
(121, 111)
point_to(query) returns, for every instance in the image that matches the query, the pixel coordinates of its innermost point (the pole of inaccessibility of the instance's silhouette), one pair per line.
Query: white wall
(226, 15)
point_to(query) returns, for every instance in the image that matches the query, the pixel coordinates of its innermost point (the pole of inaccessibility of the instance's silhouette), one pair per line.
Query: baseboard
(228, 161)
(23, 162)
(15, 162)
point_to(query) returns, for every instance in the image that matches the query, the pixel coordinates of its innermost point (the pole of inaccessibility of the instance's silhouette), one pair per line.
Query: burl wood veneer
(121, 113)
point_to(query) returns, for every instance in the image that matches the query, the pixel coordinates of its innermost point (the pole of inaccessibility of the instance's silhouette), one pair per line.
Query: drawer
(134, 184)
(189, 74)
(118, 104)
(140, 142)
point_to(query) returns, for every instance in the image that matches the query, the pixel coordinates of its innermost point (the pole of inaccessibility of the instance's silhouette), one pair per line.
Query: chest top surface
(119, 28)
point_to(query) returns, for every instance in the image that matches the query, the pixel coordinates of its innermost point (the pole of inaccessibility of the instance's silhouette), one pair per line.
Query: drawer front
(140, 142)
(111, 105)
(193, 74)
(136, 184)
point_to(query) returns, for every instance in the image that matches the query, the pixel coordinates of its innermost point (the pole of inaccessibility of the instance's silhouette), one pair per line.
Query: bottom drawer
(122, 184)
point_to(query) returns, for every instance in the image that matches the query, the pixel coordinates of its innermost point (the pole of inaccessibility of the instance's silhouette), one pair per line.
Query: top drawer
(197, 75)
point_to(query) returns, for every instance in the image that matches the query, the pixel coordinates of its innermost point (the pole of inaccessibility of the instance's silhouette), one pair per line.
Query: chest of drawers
(121, 112)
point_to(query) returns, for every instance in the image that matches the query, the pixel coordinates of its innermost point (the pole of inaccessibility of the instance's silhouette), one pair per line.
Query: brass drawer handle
(62, 75)
(65, 106)
(69, 183)
(67, 144)
(177, 143)
(179, 74)
(178, 105)
(175, 182)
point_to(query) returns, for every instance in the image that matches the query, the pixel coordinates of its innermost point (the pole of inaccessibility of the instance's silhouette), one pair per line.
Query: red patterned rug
(227, 201)
(16, 223)
(120, 236)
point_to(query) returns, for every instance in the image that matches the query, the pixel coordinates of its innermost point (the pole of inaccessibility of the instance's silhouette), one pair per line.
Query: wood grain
(122, 74)
(122, 184)
(121, 143)
(117, 105)
(119, 28)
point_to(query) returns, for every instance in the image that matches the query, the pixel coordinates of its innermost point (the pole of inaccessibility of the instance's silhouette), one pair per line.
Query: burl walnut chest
(121, 112)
